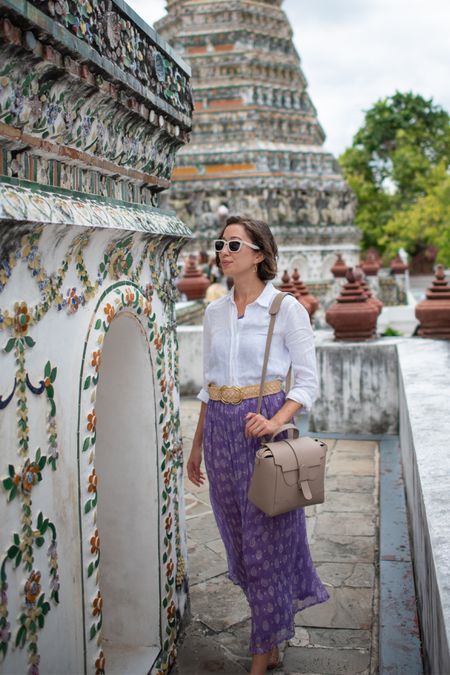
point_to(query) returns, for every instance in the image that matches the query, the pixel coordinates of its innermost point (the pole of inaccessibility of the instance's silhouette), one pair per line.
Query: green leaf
(12, 493)
(165, 603)
(10, 344)
(11, 470)
(161, 417)
(53, 374)
(30, 342)
(91, 569)
(45, 608)
(98, 324)
(92, 632)
(7, 483)
(87, 506)
(52, 407)
(87, 382)
(12, 552)
(86, 443)
(21, 636)
(42, 462)
(40, 621)
(16, 539)
(47, 369)
(39, 541)
(50, 391)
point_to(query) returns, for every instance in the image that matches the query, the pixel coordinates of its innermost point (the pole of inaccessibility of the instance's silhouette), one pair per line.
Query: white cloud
(354, 52)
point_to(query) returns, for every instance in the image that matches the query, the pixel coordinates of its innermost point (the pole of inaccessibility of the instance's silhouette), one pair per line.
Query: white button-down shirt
(233, 348)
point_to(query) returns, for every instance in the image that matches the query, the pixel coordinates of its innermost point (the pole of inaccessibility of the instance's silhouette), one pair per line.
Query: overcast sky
(354, 52)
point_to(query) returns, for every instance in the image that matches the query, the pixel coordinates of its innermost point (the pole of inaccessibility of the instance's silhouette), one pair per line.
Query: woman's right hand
(194, 472)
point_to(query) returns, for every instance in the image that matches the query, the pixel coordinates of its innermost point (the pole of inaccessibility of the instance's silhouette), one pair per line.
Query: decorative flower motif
(73, 300)
(92, 482)
(110, 312)
(100, 663)
(165, 432)
(22, 318)
(163, 384)
(52, 551)
(147, 308)
(95, 543)
(167, 476)
(92, 421)
(32, 588)
(54, 583)
(30, 476)
(97, 604)
(129, 296)
(169, 568)
(158, 342)
(52, 113)
(171, 611)
(34, 667)
(168, 522)
(96, 360)
(5, 633)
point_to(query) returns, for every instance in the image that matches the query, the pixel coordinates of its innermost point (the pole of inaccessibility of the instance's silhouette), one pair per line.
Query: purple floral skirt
(268, 557)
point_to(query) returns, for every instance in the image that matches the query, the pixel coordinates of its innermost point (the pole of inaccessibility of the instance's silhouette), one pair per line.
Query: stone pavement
(339, 636)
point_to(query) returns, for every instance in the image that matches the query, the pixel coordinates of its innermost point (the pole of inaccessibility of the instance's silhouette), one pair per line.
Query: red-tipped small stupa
(193, 283)
(352, 316)
(371, 298)
(398, 266)
(371, 265)
(434, 312)
(339, 268)
(309, 301)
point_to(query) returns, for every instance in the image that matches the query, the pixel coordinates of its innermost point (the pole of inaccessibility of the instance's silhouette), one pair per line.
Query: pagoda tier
(257, 144)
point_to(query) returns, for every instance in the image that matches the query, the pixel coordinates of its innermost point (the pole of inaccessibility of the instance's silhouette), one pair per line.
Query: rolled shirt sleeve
(299, 340)
(203, 393)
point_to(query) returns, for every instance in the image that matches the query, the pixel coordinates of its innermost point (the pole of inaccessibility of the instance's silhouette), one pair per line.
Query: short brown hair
(260, 234)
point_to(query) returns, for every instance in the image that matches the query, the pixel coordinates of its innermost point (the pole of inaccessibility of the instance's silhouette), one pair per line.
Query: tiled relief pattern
(115, 286)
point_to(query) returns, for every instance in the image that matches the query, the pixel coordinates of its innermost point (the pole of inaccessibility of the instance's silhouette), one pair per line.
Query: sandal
(274, 660)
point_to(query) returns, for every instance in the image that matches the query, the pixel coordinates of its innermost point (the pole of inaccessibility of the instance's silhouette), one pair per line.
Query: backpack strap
(273, 311)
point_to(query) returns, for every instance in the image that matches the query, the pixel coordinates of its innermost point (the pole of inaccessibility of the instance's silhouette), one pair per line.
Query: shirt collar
(263, 299)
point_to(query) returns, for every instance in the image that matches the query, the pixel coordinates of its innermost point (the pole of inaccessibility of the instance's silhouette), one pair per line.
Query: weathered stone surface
(203, 529)
(347, 502)
(346, 608)
(358, 575)
(350, 484)
(204, 563)
(345, 464)
(201, 654)
(219, 603)
(336, 661)
(217, 546)
(354, 524)
(341, 548)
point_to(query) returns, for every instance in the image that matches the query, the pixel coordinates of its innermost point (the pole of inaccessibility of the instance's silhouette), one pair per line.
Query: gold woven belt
(235, 395)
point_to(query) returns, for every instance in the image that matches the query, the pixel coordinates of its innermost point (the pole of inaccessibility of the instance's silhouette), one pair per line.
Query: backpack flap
(305, 453)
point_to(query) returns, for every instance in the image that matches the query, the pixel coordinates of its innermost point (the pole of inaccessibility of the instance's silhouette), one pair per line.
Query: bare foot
(274, 659)
(260, 663)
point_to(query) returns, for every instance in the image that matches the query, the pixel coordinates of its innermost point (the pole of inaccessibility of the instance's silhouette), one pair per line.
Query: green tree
(397, 157)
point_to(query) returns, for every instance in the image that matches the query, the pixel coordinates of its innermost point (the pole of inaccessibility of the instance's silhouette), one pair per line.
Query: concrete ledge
(358, 386)
(424, 388)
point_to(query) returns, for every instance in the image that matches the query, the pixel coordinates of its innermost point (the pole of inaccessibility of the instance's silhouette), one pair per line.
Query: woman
(268, 557)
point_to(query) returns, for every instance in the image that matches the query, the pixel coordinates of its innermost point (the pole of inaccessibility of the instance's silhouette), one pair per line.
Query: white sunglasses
(234, 245)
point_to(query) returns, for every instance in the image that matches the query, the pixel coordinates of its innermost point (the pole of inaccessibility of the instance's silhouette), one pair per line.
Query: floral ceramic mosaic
(113, 287)
(116, 37)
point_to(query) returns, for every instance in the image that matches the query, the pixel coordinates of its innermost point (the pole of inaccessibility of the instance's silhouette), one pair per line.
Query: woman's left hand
(257, 425)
